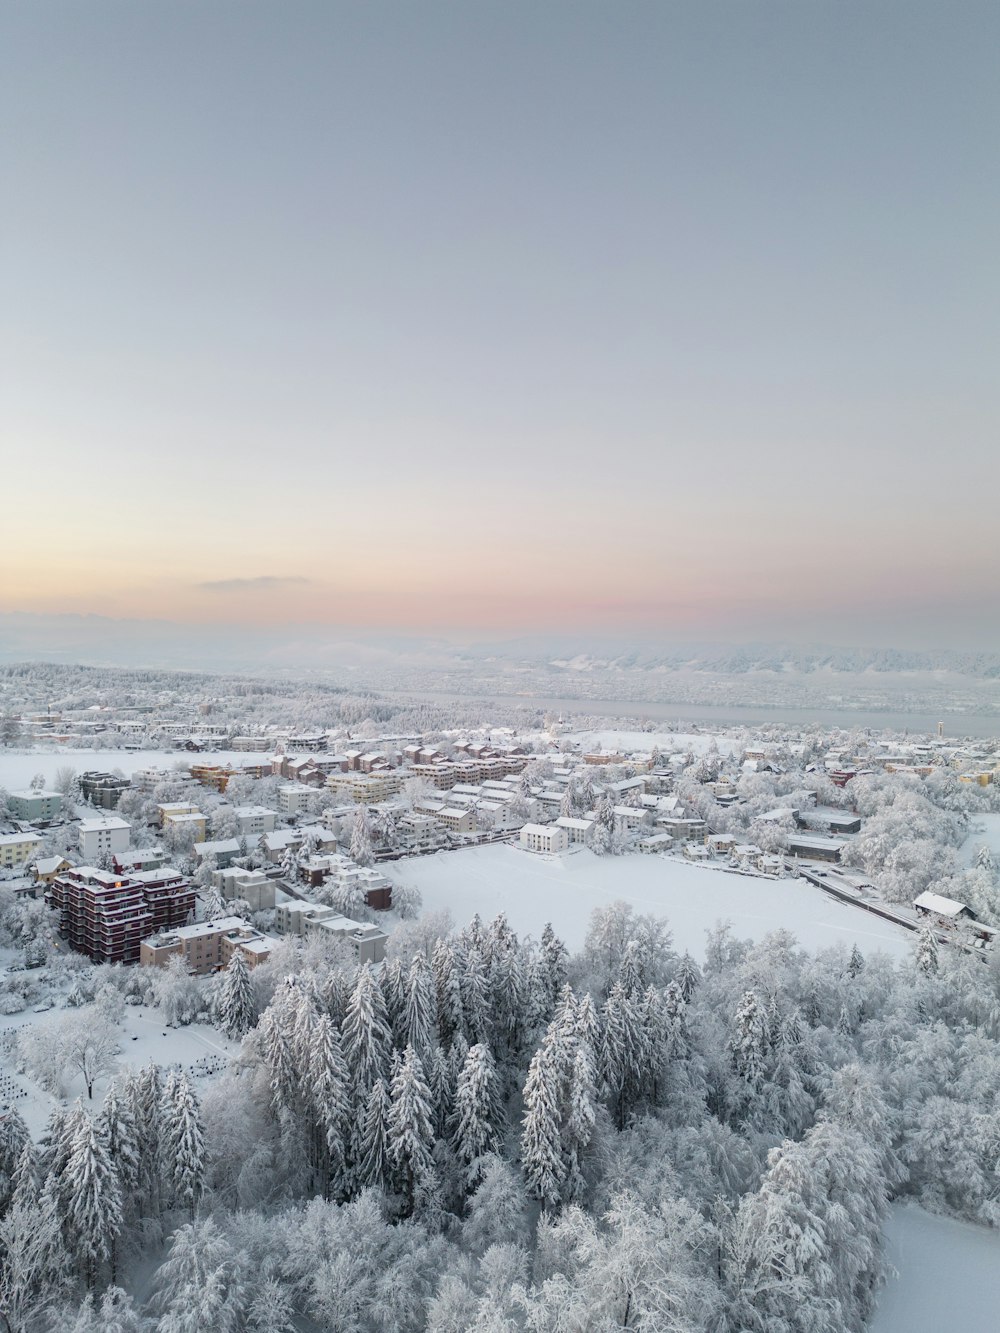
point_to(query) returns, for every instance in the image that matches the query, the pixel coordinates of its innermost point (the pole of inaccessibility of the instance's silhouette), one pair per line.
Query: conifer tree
(13, 1137)
(367, 1040)
(410, 1132)
(182, 1146)
(375, 1165)
(331, 1106)
(478, 1110)
(418, 1011)
(237, 1002)
(361, 838)
(94, 1217)
(926, 956)
(541, 1146)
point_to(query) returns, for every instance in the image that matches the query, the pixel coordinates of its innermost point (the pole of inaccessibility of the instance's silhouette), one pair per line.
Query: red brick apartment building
(105, 915)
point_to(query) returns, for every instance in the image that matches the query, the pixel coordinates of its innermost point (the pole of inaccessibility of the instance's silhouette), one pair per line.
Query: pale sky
(519, 316)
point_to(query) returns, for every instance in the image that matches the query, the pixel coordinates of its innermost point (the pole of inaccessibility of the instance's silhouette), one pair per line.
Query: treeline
(495, 1136)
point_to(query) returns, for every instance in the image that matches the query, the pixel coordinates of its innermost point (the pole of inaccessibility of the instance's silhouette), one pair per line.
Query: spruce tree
(541, 1146)
(94, 1217)
(478, 1110)
(182, 1147)
(410, 1132)
(366, 1036)
(237, 1002)
(331, 1106)
(375, 1166)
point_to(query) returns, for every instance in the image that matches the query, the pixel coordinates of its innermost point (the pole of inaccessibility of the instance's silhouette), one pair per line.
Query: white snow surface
(533, 889)
(949, 1275)
(985, 831)
(144, 1036)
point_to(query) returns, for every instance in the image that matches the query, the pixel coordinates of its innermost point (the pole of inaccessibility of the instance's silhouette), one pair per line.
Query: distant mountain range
(104, 641)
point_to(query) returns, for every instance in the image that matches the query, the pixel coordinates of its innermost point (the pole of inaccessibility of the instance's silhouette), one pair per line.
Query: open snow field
(17, 770)
(565, 890)
(986, 830)
(949, 1276)
(144, 1036)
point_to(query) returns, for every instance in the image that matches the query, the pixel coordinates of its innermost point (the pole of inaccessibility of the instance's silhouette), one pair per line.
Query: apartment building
(357, 788)
(546, 838)
(192, 822)
(253, 886)
(312, 920)
(17, 849)
(101, 914)
(37, 807)
(106, 916)
(103, 789)
(207, 946)
(253, 820)
(298, 798)
(99, 837)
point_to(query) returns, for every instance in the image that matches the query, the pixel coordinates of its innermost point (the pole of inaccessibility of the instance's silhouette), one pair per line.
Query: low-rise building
(223, 851)
(358, 788)
(48, 867)
(252, 886)
(36, 807)
(253, 820)
(107, 836)
(312, 920)
(207, 946)
(17, 849)
(577, 830)
(656, 842)
(549, 839)
(297, 798)
(813, 847)
(193, 823)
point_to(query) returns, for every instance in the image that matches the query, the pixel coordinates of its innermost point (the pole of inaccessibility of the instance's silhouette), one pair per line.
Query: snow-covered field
(565, 890)
(17, 769)
(985, 829)
(144, 1037)
(949, 1276)
(634, 742)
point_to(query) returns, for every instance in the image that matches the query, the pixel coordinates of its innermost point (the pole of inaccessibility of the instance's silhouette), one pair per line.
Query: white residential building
(254, 820)
(547, 838)
(577, 830)
(295, 798)
(100, 836)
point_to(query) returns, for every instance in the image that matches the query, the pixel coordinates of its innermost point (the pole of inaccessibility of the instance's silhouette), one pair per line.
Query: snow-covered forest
(485, 1133)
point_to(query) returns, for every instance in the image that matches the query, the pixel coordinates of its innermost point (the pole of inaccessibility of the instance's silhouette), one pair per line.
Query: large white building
(100, 836)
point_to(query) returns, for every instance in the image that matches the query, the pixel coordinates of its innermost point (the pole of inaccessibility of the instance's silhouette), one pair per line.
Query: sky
(664, 318)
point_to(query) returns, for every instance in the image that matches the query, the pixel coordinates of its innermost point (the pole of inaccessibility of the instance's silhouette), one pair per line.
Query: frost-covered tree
(94, 1215)
(541, 1144)
(926, 953)
(237, 999)
(478, 1110)
(366, 1035)
(411, 1134)
(375, 1166)
(182, 1143)
(361, 837)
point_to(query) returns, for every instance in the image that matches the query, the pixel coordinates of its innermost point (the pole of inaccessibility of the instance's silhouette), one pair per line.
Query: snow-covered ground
(565, 890)
(144, 1037)
(949, 1276)
(635, 742)
(985, 829)
(17, 769)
